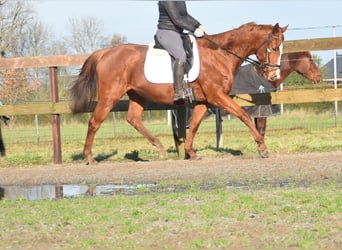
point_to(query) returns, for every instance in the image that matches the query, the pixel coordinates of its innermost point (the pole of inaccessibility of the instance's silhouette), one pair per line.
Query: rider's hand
(200, 31)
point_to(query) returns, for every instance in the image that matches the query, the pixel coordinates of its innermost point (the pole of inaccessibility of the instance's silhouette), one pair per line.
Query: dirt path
(307, 167)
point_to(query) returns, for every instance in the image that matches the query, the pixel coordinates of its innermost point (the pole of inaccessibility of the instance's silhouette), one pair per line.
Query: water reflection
(52, 192)
(39, 192)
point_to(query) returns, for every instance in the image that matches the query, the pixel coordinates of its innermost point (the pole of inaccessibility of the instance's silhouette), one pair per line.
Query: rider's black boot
(178, 78)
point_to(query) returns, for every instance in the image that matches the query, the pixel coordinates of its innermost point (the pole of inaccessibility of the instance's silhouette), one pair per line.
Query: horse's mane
(247, 25)
(251, 25)
(229, 37)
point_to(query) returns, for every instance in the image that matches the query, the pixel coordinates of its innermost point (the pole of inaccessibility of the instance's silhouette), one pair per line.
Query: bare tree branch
(86, 35)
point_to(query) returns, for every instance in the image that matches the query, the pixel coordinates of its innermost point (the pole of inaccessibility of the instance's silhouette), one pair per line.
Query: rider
(173, 20)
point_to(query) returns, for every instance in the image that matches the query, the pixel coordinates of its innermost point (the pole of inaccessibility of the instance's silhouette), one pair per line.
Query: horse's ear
(283, 29)
(277, 28)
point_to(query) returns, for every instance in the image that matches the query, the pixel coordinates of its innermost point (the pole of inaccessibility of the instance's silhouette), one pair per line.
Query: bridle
(262, 66)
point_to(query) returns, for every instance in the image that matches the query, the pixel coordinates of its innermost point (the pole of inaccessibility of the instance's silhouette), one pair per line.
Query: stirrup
(188, 91)
(179, 96)
(189, 94)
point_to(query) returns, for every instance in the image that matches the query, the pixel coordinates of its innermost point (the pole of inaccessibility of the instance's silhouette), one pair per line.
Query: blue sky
(137, 19)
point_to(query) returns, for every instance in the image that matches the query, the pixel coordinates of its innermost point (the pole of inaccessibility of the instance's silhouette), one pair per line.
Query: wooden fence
(55, 107)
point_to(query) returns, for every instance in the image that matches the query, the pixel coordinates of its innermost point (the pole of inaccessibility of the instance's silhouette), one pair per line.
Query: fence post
(219, 138)
(181, 118)
(55, 119)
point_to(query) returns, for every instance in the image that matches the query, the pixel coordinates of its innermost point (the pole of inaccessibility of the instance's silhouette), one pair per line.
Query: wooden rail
(283, 97)
(55, 108)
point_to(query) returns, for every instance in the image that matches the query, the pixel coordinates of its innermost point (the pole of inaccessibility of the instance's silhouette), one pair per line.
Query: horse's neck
(233, 40)
(231, 44)
(283, 75)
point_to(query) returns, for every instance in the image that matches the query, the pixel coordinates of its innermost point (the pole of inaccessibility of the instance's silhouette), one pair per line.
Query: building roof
(330, 68)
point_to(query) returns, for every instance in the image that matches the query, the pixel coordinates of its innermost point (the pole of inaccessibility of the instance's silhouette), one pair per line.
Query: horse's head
(306, 66)
(269, 52)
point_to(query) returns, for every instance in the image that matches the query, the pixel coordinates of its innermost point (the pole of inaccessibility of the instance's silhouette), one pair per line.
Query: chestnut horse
(300, 62)
(112, 72)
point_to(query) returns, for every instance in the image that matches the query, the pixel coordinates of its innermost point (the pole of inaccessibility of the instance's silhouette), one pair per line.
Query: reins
(246, 59)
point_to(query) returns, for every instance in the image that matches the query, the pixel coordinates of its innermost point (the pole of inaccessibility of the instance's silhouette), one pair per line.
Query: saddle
(158, 63)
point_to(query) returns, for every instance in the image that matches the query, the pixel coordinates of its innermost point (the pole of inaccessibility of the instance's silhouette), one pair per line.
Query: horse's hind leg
(196, 118)
(133, 117)
(260, 124)
(100, 113)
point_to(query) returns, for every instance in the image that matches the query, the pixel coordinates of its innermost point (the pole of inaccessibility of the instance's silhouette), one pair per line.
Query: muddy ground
(278, 169)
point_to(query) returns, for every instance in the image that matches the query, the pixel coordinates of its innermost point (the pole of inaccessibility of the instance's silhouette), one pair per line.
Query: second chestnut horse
(300, 62)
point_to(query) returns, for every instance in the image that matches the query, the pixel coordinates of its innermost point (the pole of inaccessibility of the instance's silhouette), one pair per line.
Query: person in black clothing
(173, 20)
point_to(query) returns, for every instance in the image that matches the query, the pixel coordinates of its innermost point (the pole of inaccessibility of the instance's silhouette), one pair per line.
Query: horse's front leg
(228, 104)
(133, 117)
(197, 116)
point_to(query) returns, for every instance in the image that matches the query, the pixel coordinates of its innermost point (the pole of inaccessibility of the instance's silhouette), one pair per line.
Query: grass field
(296, 131)
(261, 217)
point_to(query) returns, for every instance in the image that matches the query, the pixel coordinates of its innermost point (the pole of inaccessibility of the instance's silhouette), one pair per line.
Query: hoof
(162, 154)
(91, 161)
(196, 158)
(263, 153)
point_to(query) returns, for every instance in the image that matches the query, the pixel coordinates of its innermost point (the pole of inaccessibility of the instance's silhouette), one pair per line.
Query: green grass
(295, 131)
(260, 217)
(263, 218)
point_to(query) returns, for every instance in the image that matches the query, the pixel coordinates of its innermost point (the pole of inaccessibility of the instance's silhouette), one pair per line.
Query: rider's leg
(178, 78)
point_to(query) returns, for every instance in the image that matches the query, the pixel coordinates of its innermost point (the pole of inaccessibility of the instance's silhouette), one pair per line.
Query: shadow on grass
(226, 150)
(218, 150)
(98, 158)
(134, 156)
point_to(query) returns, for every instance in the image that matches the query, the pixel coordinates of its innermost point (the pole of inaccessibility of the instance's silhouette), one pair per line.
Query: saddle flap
(158, 64)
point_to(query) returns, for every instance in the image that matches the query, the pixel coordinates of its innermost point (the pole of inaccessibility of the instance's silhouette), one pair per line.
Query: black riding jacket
(173, 15)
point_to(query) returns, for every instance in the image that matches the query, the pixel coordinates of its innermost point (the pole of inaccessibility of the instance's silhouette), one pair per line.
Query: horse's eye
(275, 49)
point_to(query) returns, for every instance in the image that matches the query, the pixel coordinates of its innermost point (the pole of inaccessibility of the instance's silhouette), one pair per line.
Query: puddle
(52, 192)
(39, 192)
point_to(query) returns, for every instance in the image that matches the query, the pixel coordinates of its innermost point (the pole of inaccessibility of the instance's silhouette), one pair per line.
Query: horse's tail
(84, 88)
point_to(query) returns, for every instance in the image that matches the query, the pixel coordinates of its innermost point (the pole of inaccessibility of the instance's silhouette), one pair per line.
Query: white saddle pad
(158, 68)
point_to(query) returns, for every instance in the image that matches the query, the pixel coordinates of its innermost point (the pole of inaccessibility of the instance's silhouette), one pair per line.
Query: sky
(137, 20)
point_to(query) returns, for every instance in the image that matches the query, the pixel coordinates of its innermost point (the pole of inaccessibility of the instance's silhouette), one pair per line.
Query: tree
(86, 35)
(15, 16)
(14, 87)
(118, 39)
(34, 39)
